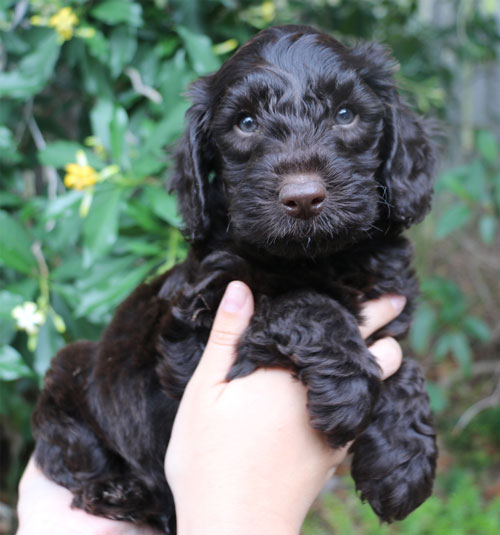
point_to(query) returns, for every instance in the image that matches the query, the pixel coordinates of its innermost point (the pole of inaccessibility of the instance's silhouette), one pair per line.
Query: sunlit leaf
(12, 365)
(100, 228)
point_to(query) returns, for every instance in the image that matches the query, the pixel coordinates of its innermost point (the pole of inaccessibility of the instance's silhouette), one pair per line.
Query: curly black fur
(104, 418)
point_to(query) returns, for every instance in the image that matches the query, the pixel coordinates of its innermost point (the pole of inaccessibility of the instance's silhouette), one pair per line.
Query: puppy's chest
(348, 279)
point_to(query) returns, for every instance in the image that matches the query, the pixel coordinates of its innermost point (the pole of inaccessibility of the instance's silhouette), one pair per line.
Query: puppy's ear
(407, 152)
(410, 161)
(194, 162)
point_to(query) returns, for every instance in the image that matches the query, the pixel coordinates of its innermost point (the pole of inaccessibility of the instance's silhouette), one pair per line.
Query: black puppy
(299, 170)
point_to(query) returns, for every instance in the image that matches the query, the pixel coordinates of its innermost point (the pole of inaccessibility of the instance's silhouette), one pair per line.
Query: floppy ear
(407, 152)
(410, 161)
(194, 162)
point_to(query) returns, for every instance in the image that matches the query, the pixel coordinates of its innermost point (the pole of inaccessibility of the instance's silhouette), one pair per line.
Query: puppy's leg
(395, 457)
(320, 341)
(71, 450)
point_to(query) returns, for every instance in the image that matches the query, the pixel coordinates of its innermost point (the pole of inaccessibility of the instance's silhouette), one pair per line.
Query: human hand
(44, 508)
(243, 457)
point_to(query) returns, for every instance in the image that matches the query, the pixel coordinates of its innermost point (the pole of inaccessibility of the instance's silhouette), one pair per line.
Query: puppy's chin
(294, 248)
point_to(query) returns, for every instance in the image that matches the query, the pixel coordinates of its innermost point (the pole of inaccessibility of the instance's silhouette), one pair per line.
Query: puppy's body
(307, 207)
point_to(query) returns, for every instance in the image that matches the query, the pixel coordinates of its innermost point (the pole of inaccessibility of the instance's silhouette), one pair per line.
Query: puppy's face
(300, 137)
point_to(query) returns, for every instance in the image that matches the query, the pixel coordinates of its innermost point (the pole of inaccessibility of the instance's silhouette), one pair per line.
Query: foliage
(456, 507)
(469, 200)
(90, 108)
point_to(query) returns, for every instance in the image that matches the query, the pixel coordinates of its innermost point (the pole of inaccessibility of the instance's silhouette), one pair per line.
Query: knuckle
(223, 338)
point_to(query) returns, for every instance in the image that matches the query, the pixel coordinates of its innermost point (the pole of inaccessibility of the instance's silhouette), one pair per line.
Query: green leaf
(100, 118)
(488, 228)
(141, 248)
(143, 217)
(118, 11)
(123, 43)
(12, 365)
(101, 272)
(101, 225)
(147, 165)
(98, 46)
(454, 218)
(97, 302)
(461, 350)
(163, 205)
(437, 396)
(96, 78)
(167, 130)
(8, 301)
(199, 49)
(59, 153)
(487, 146)
(60, 205)
(15, 245)
(466, 181)
(49, 343)
(8, 147)
(34, 70)
(9, 199)
(422, 329)
(442, 346)
(118, 130)
(477, 328)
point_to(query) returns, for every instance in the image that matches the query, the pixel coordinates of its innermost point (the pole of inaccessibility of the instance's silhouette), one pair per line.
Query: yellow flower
(80, 175)
(64, 21)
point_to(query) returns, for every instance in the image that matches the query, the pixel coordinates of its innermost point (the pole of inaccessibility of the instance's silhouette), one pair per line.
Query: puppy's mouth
(292, 237)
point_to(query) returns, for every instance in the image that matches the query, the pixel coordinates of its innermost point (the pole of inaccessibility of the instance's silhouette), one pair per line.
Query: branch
(36, 249)
(486, 403)
(141, 88)
(482, 367)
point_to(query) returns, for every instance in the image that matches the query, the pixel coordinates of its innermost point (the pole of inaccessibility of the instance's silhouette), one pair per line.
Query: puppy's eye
(247, 124)
(344, 116)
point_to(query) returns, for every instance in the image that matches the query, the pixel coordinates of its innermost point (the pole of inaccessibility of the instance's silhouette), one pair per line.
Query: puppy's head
(303, 146)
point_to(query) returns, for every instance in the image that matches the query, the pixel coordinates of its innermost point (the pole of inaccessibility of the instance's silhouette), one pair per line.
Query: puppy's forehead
(299, 61)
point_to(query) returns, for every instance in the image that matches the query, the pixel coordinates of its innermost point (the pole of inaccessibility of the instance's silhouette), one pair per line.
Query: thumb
(232, 318)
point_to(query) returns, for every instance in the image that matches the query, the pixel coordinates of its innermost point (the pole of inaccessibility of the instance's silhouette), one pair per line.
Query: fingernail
(235, 297)
(398, 302)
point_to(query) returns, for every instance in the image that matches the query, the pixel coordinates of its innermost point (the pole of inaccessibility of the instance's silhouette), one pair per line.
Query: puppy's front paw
(341, 407)
(394, 459)
(117, 499)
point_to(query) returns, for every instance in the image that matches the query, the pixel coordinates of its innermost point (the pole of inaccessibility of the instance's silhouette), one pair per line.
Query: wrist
(228, 519)
(230, 524)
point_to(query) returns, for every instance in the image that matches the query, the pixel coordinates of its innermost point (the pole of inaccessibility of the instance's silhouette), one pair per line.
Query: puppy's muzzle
(303, 195)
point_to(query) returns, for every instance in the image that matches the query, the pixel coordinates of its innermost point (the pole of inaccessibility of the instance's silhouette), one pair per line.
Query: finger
(380, 312)
(232, 318)
(388, 354)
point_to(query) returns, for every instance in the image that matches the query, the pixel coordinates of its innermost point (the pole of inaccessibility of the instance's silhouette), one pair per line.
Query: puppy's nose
(303, 195)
